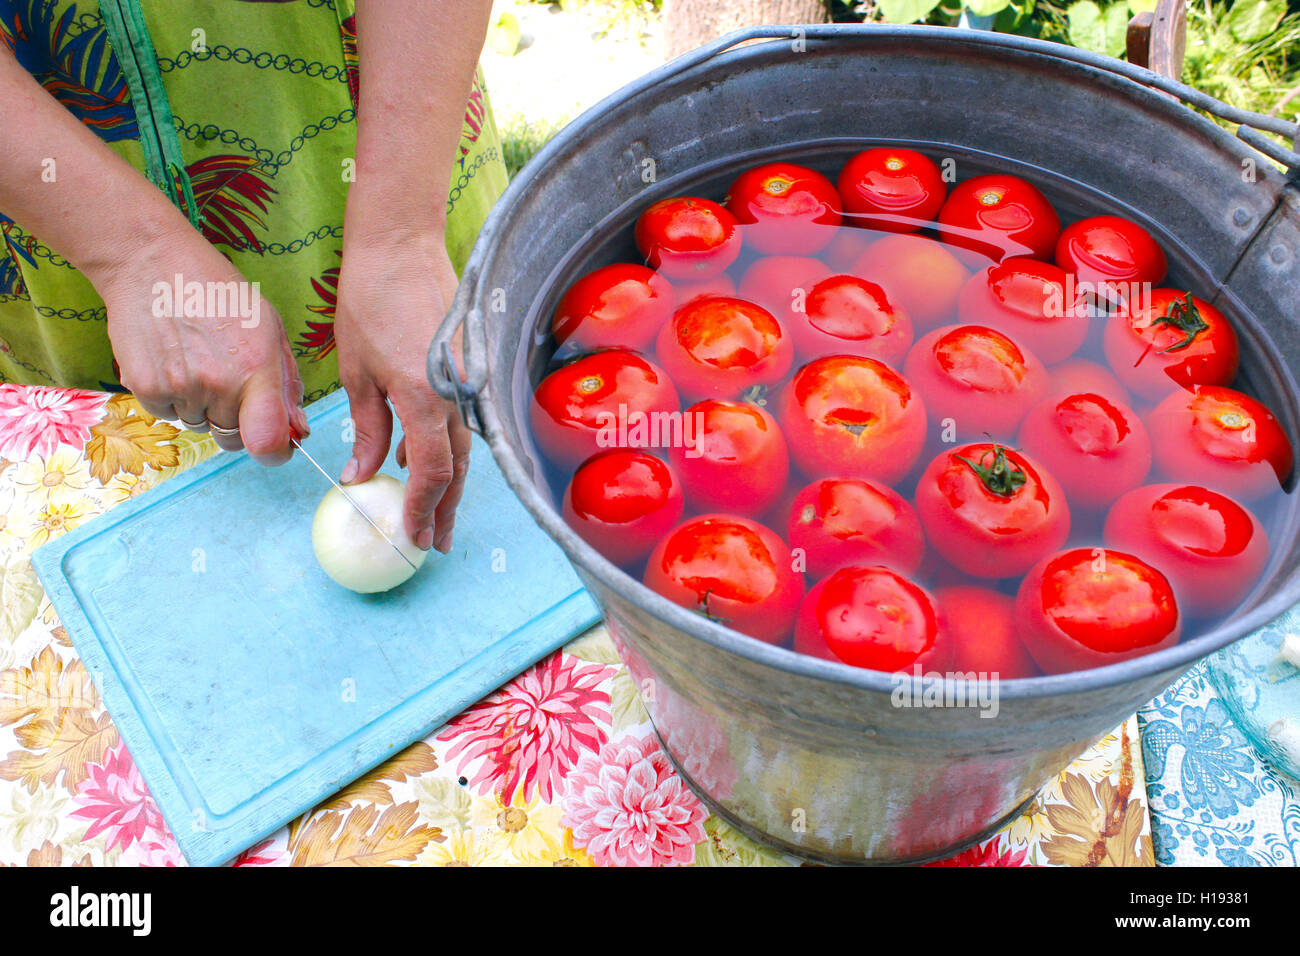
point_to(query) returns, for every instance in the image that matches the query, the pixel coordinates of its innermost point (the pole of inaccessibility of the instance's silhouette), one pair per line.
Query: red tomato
(898, 190)
(920, 274)
(990, 511)
(1209, 547)
(1171, 340)
(688, 238)
(719, 348)
(1097, 448)
(576, 410)
(1110, 253)
(874, 618)
(736, 460)
(1221, 439)
(688, 292)
(1031, 301)
(733, 571)
(837, 522)
(983, 628)
(622, 503)
(981, 379)
(778, 283)
(618, 306)
(851, 416)
(844, 250)
(998, 216)
(784, 209)
(1090, 607)
(1081, 375)
(845, 315)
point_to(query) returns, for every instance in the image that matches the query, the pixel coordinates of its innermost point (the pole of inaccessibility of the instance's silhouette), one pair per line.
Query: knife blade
(352, 501)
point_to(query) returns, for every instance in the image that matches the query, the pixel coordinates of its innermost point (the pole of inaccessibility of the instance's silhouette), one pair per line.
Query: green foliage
(906, 11)
(1244, 52)
(1247, 54)
(504, 35)
(1096, 28)
(522, 137)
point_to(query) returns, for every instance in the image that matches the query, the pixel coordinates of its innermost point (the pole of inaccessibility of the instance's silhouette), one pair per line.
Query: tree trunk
(692, 23)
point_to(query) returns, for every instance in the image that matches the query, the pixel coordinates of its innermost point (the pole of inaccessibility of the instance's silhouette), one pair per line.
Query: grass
(1255, 66)
(522, 137)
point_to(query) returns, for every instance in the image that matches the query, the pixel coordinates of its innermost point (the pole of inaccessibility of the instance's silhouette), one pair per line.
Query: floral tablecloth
(558, 767)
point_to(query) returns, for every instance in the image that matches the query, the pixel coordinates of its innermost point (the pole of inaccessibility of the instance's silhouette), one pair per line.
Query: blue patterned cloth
(1213, 801)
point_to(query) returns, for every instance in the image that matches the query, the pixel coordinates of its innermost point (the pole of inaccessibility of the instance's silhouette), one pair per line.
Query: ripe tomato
(1096, 447)
(779, 283)
(846, 248)
(1091, 606)
(1031, 301)
(897, 190)
(851, 416)
(1170, 340)
(618, 306)
(623, 502)
(733, 571)
(990, 511)
(736, 460)
(1209, 547)
(1081, 375)
(983, 628)
(1109, 253)
(576, 410)
(998, 216)
(837, 522)
(874, 618)
(845, 315)
(719, 348)
(784, 209)
(1221, 439)
(980, 378)
(688, 238)
(688, 292)
(920, 274)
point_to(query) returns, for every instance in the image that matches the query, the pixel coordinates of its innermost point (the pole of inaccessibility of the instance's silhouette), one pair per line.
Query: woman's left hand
(392, 295)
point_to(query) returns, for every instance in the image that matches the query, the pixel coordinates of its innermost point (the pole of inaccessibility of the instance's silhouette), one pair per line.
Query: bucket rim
(1170, 661)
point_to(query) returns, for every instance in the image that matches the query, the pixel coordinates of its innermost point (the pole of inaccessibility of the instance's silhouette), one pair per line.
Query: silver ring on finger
(222, 432)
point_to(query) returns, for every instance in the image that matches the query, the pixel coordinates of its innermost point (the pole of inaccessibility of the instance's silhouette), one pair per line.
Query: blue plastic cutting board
(246, 684)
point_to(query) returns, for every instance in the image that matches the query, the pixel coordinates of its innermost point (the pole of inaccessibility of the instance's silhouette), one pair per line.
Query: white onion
(350, 551)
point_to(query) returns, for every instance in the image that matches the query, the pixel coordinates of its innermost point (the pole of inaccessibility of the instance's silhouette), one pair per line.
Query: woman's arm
(61, 183)
(417, 64)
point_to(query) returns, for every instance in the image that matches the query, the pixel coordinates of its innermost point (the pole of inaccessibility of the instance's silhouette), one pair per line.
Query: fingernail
(425, 539)
(349, 471)
(443, 543)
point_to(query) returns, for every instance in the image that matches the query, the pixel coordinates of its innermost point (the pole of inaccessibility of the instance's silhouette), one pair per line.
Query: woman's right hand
(230, 366)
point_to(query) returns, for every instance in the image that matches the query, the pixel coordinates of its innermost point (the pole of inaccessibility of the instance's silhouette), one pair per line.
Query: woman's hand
(393, 291)
(230, 365)
(397, 281)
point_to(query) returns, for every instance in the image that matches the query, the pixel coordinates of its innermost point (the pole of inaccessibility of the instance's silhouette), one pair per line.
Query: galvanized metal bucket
(813, 756)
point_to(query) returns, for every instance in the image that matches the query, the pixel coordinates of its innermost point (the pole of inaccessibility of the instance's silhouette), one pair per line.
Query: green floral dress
(248, 124)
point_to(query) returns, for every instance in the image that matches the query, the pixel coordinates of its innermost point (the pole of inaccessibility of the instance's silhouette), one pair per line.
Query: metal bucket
(806, 754)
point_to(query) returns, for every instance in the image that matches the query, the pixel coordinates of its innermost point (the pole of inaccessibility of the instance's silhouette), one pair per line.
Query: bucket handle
(1251, 126)
(444, 374)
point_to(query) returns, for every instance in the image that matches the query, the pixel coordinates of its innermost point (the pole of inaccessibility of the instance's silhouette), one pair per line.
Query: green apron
(257, 125)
